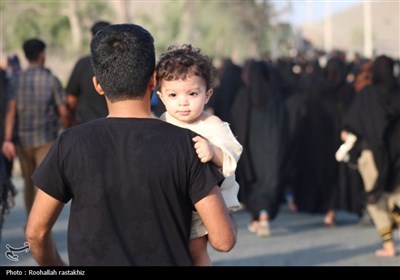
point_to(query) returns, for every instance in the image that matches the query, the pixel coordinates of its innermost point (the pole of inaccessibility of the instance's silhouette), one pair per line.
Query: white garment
(221, 136)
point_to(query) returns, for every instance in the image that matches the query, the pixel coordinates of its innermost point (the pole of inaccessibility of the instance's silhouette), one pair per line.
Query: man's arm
(44, 213)
(72, 103)
(73, 89)
(220, 226)
(8, 147)
(64, 115)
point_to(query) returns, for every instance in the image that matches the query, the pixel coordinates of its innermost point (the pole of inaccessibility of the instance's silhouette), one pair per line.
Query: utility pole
(308, 12)
(328, 27)
(368, 48)
(398, 18)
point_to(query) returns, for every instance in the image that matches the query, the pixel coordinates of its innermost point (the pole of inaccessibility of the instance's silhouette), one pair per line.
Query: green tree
(63, 25)
(237, 29)
(221, 28)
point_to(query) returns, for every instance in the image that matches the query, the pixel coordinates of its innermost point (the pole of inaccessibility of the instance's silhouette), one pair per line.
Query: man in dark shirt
(133, 180)
(82, 99)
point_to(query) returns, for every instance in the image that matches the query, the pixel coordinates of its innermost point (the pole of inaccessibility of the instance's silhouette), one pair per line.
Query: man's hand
(8, 150)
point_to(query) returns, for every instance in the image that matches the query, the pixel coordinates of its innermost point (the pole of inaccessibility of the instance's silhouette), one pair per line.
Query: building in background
(346, 30)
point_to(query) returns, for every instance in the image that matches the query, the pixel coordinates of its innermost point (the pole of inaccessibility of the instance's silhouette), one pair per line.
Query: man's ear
(209, 93)
(153, 82)
(97, 86)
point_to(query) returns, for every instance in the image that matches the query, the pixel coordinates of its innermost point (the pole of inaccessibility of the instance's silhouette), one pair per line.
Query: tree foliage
(237, 29)
(48, 20)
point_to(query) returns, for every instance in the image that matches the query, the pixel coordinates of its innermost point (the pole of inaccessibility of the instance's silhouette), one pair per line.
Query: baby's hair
(179, 62)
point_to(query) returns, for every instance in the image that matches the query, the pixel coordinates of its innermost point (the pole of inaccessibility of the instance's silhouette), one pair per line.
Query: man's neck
(130, 109)
(35, 64)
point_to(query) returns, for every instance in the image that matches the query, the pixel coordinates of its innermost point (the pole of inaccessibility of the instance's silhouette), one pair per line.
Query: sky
(313, 9)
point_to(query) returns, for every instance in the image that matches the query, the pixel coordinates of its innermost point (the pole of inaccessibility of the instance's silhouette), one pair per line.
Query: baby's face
(184, 99)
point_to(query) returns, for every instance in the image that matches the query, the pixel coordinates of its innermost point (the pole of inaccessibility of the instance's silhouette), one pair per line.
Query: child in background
(185, 79)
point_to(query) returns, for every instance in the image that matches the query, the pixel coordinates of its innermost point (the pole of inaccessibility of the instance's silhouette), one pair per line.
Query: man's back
(90, 105)
(38, 94)
(129, 206)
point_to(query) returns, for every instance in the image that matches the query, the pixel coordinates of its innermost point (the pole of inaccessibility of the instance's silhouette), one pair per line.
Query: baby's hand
(204, 149)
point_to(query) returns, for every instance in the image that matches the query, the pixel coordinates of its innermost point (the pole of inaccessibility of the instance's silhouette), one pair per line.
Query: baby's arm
(207, 151)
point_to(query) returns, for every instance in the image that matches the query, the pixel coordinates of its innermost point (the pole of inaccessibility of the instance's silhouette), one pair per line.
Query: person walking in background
(7, 189)
(35, 107)
(224, 93)
(259, 119)
(132, 179)
(333, 188)
(185, 79)
(83, 101)
(374, 117)
(11, 67)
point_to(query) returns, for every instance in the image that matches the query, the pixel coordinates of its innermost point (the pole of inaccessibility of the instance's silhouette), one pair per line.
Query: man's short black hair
(97, 26)
(32, 48)
(123, 59)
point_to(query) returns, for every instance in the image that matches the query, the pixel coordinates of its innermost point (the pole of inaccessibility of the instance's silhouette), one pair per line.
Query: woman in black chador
(374, 118)
(323, 183)
(259, 121)
(224, 94)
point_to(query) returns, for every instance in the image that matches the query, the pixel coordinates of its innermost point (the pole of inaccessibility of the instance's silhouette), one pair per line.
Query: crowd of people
(292, 116)
(156, 155)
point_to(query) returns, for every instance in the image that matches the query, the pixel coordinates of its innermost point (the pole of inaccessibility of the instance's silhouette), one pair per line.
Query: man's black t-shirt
(133, 184)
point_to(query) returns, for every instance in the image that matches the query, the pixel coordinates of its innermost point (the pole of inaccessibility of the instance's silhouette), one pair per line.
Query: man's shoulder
(52, 77)
(165, 128)
(43, 72)
(151, 128)
(158, 125)
(176, 129)
(83, 61)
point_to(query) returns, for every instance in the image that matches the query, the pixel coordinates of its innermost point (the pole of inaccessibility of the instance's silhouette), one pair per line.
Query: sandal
(263, 229)
(252, 227)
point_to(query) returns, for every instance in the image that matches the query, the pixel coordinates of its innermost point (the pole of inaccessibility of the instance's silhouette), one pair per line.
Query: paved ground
(296, 240)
